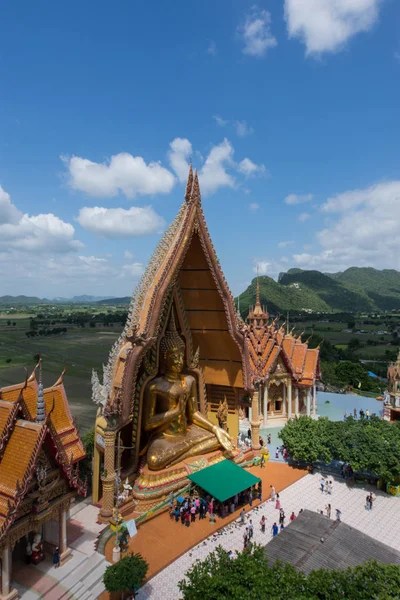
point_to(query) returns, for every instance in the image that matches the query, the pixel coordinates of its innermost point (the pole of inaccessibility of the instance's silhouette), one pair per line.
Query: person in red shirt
(292, 516)
(187, 519)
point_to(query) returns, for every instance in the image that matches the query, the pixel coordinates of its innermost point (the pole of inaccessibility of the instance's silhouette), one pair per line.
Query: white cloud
(212, 48)
(220, 121)
(36, 233)
(133, 270)
(292, 199)
(256, 33)
(303, 217)
(128, 254)
(180, 152)
(262, 267)
(8, 212)
(242, 129)
(285, 243)
(254, 207)
(248, 168)
(363, 230)
(213, 173)
(119, 222)
(124, 173)
(326, 25)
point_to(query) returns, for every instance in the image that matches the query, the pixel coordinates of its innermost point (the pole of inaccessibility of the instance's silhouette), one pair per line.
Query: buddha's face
(174, 360)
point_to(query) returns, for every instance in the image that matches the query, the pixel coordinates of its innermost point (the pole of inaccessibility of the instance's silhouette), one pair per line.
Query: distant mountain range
(34, 300)
(354, 290)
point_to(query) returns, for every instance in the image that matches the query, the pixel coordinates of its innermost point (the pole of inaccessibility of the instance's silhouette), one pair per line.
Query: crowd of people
(198, 505)
(363, 414)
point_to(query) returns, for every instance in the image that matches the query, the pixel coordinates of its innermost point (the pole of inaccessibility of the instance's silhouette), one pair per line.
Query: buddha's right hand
(224, 439)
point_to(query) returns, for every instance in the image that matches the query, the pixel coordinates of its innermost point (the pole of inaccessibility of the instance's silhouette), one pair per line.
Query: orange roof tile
(16, 460)
(5, 411)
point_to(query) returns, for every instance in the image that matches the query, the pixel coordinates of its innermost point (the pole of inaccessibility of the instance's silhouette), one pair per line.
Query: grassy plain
(80, 350)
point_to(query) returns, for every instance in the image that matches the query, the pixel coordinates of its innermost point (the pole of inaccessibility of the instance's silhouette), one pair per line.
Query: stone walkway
(382, 523)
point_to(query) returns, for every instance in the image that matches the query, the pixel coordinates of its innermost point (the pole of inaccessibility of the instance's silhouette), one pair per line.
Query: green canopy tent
(223, 480)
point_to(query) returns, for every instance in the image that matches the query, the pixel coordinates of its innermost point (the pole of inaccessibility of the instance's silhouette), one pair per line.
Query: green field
(80, 350)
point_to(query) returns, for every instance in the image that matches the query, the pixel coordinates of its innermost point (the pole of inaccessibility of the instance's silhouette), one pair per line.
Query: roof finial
(196, 188)
(189, 184)
(40, 405)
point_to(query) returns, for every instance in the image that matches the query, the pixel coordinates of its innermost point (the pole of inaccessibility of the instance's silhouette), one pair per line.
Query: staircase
(84, 582)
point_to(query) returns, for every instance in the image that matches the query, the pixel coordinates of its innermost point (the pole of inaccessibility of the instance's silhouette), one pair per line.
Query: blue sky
(289, 110)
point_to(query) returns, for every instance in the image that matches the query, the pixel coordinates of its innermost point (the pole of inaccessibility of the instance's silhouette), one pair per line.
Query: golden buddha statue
(177, 428)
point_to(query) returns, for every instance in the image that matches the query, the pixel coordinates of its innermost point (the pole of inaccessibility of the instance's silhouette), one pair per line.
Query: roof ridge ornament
(189, 184)
(40, 404)
(196, 196)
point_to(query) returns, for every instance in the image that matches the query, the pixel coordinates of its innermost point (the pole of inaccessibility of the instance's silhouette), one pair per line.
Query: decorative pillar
(65, 552)
(289, 399)
(265, 404)
(284, 396)
(255, 420)
(314, 401)
(296, 401)
(7, 592)
(108, 478)
(308, 402)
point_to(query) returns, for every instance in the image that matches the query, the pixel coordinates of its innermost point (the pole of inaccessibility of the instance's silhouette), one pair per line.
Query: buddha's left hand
(224, 439)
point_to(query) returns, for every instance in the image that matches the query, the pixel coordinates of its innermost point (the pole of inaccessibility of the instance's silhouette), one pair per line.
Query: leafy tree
(249, 576)
(127, 574)
(351, 374)
(369, 445)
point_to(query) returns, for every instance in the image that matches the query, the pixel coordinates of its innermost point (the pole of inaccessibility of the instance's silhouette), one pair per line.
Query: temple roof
(22, 438)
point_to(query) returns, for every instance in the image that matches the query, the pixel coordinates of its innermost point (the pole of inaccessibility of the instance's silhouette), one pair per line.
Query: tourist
(274, 530)
(292, 516)
(371, 500)
(269, 439)
(277, 452)
(355, 413)
(183, 512)
(273, 493)
(281, 516)
(251, 497)
(330, 487)
(262, 523)
(262, 461)
(368, 502)
(245, 538)
(187, 519)
(322, 484)
(176, 513)
(232, 509)
(326, 486)
(285, 453)
(367, 413)
(282, 526)
(261, 442)
(338, 514)
(197, 505)
(259, 491)
(251, 529)
(328, 509)
(231, 555)
(193, 514)
(56, 558)
(242, 513)
(210, 507)
(278, 502)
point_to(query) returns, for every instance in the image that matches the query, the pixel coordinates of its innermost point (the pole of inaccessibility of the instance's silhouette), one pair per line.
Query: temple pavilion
(183, 296)
(40, 450)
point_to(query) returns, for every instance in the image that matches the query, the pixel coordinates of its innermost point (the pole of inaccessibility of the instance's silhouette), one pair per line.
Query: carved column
(308, 402)
(265, 404)
(289, 399)
(108, 478)
(284, 396)
(314, 401)
(65, 552)
(7, 592)
(255, 421)
(296, 401)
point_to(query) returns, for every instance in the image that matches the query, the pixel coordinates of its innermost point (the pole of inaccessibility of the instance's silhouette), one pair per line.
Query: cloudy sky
(289, 110)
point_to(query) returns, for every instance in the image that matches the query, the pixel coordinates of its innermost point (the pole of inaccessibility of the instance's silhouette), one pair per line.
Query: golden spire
(189, 184)
(196, 188)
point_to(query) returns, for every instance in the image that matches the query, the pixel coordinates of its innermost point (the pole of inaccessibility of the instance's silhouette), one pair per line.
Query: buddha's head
(172, 348)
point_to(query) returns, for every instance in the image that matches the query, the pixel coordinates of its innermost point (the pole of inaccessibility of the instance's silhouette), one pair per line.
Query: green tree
(127, 574)
(351, 374)
(249, 576)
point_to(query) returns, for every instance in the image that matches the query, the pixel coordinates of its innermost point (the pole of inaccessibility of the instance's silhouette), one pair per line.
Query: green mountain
(354, 290)
(114, 301)
(21, 301)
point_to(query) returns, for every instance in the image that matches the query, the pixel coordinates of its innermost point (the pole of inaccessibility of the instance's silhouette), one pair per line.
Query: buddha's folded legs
(164, 452)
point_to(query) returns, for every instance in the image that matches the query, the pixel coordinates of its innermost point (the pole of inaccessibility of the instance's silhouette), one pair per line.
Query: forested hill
(354, 290)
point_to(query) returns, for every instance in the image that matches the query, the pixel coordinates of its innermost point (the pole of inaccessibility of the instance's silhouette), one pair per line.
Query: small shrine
(40, 450)
(186, 367)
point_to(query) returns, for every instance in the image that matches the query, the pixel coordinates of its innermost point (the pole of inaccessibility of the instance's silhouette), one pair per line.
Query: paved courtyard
(382, 523)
